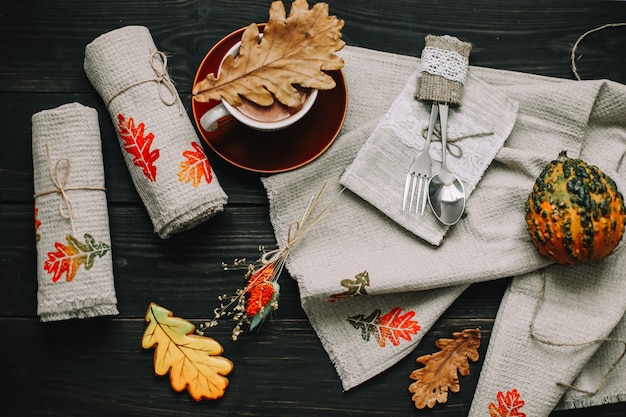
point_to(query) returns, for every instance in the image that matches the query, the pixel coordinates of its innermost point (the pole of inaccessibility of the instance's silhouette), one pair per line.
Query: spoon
(446, 193)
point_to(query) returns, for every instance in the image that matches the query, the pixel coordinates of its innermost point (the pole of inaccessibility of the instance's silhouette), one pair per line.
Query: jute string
(162, 79)
(452, 147)
(59, 176)
(298, 229)
(583, 36)
(548, 342)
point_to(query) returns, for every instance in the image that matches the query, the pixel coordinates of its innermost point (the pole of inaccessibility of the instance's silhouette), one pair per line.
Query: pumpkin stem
(562, 156)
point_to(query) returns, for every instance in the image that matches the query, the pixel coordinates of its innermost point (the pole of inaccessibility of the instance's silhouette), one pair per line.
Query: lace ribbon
(162, 79)
(59, 177)
(448, 64)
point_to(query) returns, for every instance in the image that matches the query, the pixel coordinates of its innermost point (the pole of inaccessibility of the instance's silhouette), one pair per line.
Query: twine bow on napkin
(59, 177)
(158, 62)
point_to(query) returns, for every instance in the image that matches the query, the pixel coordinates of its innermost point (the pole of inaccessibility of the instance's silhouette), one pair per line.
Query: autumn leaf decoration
(67, 259)
(391, 327)
(440, 373)
(137, 143)
(509, 405)
(252, 304)
(195, 166)
(294, 50)
(37, 223)
(193, 361)
(354, 287)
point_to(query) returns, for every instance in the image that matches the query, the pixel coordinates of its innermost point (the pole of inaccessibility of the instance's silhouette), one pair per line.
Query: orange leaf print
(508, 405)
(68, 259)
(138, 145)
(392, 326)
(193, 361)
(37, 223)
(195, 167)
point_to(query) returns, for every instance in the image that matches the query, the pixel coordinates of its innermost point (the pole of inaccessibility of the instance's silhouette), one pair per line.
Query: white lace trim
(447, 64)
(407, 118)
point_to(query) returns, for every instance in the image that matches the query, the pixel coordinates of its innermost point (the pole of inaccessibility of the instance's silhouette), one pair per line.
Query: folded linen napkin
(74, 263)
(490, 243)
(480, 125)
(162, 151)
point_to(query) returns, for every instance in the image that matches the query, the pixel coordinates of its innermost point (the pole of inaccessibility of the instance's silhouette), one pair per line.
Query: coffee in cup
(266, 118)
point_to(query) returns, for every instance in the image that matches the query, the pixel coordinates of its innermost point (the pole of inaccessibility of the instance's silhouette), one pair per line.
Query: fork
(420, 171)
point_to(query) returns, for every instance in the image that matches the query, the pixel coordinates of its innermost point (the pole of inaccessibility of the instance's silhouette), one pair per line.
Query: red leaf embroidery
(37, 223)
(392, 326)
(67, 259)
(138, 145)
(195, 167)
(508, 405)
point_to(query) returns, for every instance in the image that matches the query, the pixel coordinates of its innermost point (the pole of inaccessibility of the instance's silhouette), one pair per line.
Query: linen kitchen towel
(491, 242)
(74, 262)
(165, 158)
(606, 384)
(548, 327)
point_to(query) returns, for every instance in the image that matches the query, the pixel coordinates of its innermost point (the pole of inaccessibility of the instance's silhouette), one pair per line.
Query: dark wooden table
(96, 367)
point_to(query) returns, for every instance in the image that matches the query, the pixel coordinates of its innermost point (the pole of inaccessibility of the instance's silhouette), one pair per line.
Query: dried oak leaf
(193, 361)
(433, 381)
(294, 50)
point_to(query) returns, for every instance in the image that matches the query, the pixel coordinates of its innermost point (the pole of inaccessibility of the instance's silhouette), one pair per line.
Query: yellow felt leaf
(440, 375)
(294, 50)
(193, 361)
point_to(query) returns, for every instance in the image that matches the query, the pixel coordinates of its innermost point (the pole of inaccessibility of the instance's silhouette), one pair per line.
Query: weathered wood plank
(96, 367)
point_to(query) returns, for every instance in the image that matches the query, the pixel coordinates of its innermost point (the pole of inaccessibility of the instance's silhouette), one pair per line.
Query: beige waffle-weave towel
(74, 261)
(490, 243)
(165, 158)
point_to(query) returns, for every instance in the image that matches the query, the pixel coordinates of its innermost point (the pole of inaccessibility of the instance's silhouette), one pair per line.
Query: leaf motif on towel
(66, 260)
(508, 405)
(195, 167)
(37, 223)
(391, 327)
(440, 375)
(355, 287)
(138, 144)
(193, 361)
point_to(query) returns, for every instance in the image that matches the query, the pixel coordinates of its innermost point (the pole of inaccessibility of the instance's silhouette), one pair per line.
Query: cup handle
(209, 120)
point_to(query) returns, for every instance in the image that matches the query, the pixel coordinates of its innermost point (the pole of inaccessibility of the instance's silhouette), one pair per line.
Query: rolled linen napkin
(74, 262)
(162, 151)
(490, 243)
(548, 327)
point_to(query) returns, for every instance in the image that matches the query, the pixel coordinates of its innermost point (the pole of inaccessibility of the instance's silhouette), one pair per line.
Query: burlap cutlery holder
(74, 261)
(165, 158)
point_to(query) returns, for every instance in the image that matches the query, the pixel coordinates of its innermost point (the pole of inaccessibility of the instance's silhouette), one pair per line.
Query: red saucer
(279, 151)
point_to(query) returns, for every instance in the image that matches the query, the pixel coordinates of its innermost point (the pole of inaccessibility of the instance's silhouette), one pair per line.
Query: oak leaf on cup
(294, 50)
